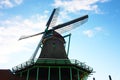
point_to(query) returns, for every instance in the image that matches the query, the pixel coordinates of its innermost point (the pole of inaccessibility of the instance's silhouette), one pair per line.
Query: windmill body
(53, 47)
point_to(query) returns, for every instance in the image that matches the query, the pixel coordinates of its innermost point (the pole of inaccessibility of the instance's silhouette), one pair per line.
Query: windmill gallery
(53, 62)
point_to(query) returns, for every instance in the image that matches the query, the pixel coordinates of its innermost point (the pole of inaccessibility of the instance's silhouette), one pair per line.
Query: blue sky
(97, 42)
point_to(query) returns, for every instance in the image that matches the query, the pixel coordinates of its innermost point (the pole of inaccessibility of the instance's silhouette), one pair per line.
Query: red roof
(6, 74)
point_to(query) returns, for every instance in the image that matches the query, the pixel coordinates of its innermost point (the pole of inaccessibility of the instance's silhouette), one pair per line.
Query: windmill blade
(71, 24)
(24, 37)
(36, 50)
(53, 18)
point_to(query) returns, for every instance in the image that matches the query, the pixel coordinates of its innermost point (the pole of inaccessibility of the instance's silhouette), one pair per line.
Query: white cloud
(12, 29)
(104, 0)
(9, 3)
(5, 3)
(98, 28)
(88, 33)
(78, 5)
(3, 59)
(92, 32)
(18, 1)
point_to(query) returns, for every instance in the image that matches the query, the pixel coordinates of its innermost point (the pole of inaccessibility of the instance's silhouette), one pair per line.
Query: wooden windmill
(53, 62)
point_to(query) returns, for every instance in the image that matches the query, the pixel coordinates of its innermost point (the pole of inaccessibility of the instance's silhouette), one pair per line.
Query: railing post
(37, 76)
(78, 75)
(27, 78)
(59, 73)
(49, 73)
(70, 73)
(20, 74)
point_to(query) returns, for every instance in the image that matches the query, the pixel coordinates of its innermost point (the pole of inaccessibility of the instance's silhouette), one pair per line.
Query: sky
(97, 42)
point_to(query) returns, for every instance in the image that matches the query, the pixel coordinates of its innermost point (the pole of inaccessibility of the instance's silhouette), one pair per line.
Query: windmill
(53, 62)
(55, 32)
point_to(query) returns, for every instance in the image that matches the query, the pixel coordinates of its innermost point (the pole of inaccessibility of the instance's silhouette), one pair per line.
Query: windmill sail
(71, 24)
(24, 37)
(53, 18)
